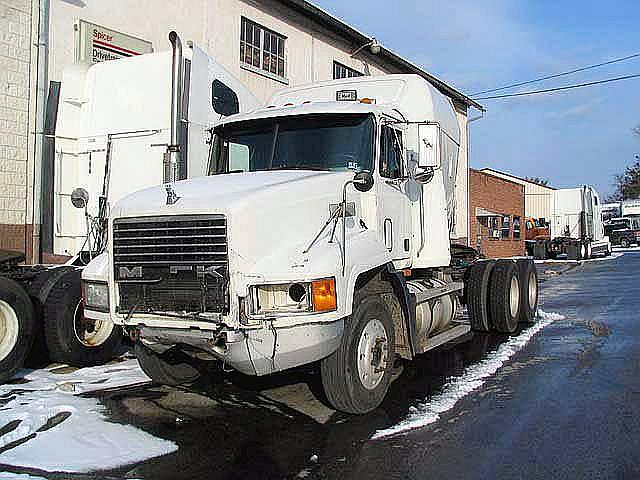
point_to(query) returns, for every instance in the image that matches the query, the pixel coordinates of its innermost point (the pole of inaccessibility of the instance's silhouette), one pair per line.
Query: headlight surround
(294, 297)
(96, 296)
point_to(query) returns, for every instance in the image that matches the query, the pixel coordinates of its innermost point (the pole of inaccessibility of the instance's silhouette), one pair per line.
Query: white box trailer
(576, 224)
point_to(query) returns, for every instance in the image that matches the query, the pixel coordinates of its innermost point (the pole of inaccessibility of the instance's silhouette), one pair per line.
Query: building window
(262, 48)
(506, 227)
(342, 71)
(516, 227)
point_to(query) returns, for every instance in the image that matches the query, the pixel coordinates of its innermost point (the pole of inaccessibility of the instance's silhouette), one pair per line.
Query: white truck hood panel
(271, 216)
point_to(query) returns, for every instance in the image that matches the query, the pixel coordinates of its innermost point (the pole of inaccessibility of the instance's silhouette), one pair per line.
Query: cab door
(393, 199)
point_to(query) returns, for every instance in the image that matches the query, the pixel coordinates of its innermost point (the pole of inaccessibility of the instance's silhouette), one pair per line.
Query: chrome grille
(193, 240)
(177, 264)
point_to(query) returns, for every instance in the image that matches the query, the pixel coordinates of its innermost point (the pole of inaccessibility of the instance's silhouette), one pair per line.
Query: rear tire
(171, 368)
(357, 375)
(70, 338)
(624, 243)
(528, 291)
(17, 327)
(477, 293)
(504, 304)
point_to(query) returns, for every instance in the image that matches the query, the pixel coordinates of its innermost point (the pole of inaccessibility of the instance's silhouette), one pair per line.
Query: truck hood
(271, 216)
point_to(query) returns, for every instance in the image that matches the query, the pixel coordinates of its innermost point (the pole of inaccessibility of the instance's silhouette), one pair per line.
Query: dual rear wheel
(500, 294)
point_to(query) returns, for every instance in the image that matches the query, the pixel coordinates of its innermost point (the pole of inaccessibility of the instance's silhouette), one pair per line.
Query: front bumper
(258, 351)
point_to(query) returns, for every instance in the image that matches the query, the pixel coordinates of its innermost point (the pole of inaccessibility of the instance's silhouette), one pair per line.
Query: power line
(581, 69)
(566, 87)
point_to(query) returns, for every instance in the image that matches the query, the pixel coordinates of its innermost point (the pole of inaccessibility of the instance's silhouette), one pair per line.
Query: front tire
(17, 327)
(70, 337)
(171, 368)
(357, 375)
(624, 243)
(504, 304)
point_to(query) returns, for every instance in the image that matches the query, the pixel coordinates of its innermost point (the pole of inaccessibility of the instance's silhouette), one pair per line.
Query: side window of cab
(390, 153)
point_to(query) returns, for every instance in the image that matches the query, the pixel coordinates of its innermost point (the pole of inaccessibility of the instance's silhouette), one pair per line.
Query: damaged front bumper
(257, 351)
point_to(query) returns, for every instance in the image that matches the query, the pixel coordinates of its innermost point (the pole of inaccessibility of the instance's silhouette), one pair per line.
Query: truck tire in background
(170, 368)
(17, 327)
(39, 291)
(477, 295)
(624, 243)
(357, 375)
(528, 290)
(504, 297)
(70, 338)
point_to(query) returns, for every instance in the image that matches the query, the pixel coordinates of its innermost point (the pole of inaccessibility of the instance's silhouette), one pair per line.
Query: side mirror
(428, 151)
(363, 181)
(80, 198)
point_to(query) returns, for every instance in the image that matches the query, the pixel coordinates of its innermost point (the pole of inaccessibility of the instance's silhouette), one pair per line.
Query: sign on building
(95, 43)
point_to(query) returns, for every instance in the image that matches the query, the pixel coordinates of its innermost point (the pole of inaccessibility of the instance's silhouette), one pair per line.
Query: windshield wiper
(299, 167)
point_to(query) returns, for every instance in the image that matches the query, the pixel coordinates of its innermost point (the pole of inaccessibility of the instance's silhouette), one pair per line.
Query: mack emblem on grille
(130, 272)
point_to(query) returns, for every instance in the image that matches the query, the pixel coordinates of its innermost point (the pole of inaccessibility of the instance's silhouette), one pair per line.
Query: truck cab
(321, 233)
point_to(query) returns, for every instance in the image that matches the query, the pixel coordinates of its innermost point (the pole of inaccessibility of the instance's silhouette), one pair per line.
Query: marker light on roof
(368, 101)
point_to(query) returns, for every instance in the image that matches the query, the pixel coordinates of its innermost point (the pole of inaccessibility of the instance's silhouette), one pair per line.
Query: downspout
(39, 133)
(172, 155)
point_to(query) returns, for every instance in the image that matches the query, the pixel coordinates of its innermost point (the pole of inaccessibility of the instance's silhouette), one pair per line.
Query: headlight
(297, 297)
(95, 295)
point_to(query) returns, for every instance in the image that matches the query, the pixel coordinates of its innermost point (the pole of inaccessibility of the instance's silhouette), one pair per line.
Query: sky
(581, 136)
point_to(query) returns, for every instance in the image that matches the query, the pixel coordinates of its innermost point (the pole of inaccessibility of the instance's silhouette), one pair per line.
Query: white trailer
(321, 234)
(576, 224)
(121, 125)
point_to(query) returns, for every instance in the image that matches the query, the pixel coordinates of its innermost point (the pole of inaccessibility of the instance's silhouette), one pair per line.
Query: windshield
(311, 142)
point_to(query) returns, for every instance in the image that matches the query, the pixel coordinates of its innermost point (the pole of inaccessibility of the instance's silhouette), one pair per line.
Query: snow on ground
(615, 254)
(18, 476)
(471, 379)
(54, 429)
(628, 249)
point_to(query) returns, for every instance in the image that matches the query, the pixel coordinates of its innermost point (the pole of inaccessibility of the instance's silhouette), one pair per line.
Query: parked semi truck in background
(115, 127)
(321, 234)
(576, 227)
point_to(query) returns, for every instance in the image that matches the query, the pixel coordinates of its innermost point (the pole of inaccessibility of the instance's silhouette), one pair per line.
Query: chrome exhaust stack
(172, 155)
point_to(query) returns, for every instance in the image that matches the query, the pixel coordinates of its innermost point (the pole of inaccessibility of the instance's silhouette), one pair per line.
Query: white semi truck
(120, 126)
(321, 234)
(576, 227)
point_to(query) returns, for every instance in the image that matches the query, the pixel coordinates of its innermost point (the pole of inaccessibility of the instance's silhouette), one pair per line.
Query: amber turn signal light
(324, 295)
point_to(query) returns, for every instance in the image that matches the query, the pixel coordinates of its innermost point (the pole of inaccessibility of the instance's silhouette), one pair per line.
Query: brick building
(496, 215)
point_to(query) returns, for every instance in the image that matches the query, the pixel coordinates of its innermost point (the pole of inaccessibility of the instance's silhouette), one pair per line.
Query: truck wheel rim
(90, 333)
(372, 354)
(9, 328)
(514, 296)
(533, 290)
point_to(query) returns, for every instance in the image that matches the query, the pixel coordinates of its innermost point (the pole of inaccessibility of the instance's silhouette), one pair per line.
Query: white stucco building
(267, 44)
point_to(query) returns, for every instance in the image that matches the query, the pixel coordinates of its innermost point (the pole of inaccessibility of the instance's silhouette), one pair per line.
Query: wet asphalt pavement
(565, 406)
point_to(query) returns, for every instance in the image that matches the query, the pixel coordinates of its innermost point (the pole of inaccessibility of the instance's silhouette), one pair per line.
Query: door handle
(388, 234)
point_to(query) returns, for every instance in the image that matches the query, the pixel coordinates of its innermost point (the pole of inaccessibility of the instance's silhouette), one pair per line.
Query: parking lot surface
(559, 399)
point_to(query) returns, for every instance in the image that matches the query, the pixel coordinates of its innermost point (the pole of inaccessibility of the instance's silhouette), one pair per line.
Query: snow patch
(59, 431)
(615, 254)
(18, 476)
(471, 379)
